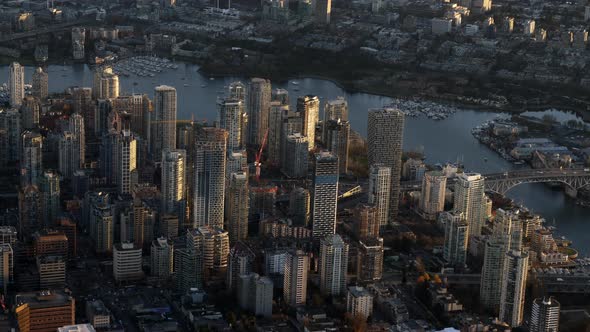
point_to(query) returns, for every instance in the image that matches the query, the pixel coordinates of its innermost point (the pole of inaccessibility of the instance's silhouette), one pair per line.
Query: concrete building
(213, 245)
(295, 278)
(255, 294)
(456, 237)
(44, 311)
(366, 221)
(297, 148)
(127, 261)
(30, 110)
(209, 177)
(30, 210)
(514, 287)
(78, 41)
(77, 328)
(237, 206)
(174, 176)
(237, 91)
(50, 197)
(441, 26)
(8, 234)
(52, 272)
(229, 117)
(385, 130)
(127, 176)
(336, 109)
(101, 227)
(379, 191)
(278, 112)
(6, 266)
(236, 162)
(322, 11)
(337, 141)
(359, 302)
(492, 273)
(529, 27)
(16, 84)
(300, 206)
(325, 197)
(470, 200)
(240, 261)
(162, 258)
(544, 315)
(308, 108)
(31, 160)
(258, 108)
(105, 84)
(97, 314)
(77, 127)
(163, 124)
(370, 260)
(432, 200)
(10, 124)
(333, 265)
(69, 154)
(188, 270)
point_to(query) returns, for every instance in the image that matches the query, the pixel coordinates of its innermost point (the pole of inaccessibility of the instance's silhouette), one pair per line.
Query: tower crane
(257, 162)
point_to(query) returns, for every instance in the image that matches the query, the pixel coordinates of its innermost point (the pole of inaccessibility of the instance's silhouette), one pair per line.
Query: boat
(211, 78)
(294, 82)
(186, 84)
(203, 85)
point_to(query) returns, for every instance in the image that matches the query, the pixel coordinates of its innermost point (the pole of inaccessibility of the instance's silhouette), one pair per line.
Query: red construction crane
(257, 162)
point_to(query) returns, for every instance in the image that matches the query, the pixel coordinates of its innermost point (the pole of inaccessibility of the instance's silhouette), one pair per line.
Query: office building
(456, 237)
(379, 191)
(514, 287)
(127, 175)
(78, 41)
(44, 311)
(10, 124)
(174, 191)
(31, 158)
(6, 266)
(295, 278)
(52, 272)
(544, 315)
(336, 140)
(366, 221)
(162, 258)
(322, 11)
(258, 108)
(230, 113)
(237, 204)
(209, 177)
(188, 270)
(359, 302)
(255, 294)
(325, 195)
(370, 260)
(16, 84)
(163, 124)
(98, 314)
(213, 245)
(385, 130)
(50, 197)
(40, 84)
(296, 147)
(50, 243)
(30, 210)
(432, 200)
(308, 108)
(69, 154)
(333, 265)
(127, 262)
(278, 111)
(300, 206)
(240, 261)
(30, 110)
(469, 199)
(101, 227)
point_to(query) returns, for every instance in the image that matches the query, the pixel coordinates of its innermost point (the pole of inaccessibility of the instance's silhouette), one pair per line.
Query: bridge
(45, 30)
(502, 182)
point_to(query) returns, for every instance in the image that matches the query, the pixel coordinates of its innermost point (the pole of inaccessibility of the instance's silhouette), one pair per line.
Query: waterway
(441, 141)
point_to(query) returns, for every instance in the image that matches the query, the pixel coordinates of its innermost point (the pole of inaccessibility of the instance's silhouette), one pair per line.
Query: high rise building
(163, 129)
(385, 130)
(127, 262)
(258, 107)
(240, 261)
(295, 280)
(188, 269)
(68, 227)
(127, 174)
(514, 287)
(44, 310)
(30, 110)
(280, 95)
(274, 265)
(10, 123)
(370, 260)
(379, 191)
(255, 294)
(325, 195)
(162, 258)
(359, 302)
(456, 237)
(278, 111)
(432, 201)
(333, 265)
(76, 127)
(308, 108)
(101, 227)
(69, 154)
(209, 159)
(8, 234)
(31, 158)
(6, 266)
(174, 190)
(78, 41)
(50, 200)
(366, 223)
(337, 140)
(40, 84)
(16, 84)
(296, 147)
(109, 159)
(213, 245)
(30, 210)
(237, 91)
(236, 207)
(336, 109)
(491, 274)
(322, 11)
(139, 108)
(544, 315)
(52, 272)
(299, 206)
(469, 199)
(291, 125)
(237, 162)
(105, 84)
(230, 112)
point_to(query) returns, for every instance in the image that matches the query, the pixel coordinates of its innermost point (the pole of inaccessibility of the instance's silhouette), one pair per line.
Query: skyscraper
(78, 40)
(275, 127)
(162, 258)
(336, 109)
(40, 84)
(291, 125)
(188, 269)
(236, 207)
(379, 191)
(30, 110)
(299, 206)
(456, 236)
(469, 199)
(295, 282)
(174, 167)
(296, 147)
(336, 140)
(240, 261)
(10, 122)
(544, 315)
(366, 223)
(127, 153)
(432, 201)
(31, 158)
(69, 155)
(385, 130)
(325, 195)
(16, 84)
(101, 227)
(514, 287)
(230, 112)
(105, 84)
(209, 175)
(258, 107)
(30, 210)
(308, 108)
(109, 159)
(50, 200)
(163, 131)
(237, 90)
(333, 265)
(255, 294)
(212, 243)
(76, 127)
(322, 11)
(370, 260)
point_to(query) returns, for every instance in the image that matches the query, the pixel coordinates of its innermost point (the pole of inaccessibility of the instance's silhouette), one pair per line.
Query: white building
(295, 281)
(432, 200)
(127, 262)
(174, 191)
(309, 109)
(441, 26)
(359, 302)
(163, 131)
(325, 195)
(544, 315)
(162, 258)
(470, 200)
(16, 84)
(333, 265)
(514, 287)
(127, 153)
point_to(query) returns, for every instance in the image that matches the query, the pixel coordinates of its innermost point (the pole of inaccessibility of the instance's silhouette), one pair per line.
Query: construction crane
(257, 162)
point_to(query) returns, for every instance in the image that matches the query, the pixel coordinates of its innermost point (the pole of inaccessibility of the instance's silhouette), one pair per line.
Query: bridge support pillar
(571, 192)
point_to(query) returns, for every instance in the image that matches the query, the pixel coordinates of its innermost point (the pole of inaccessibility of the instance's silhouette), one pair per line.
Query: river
(441, 141)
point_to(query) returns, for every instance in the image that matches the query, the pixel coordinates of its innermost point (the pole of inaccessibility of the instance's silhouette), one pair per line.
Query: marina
(143, 66)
